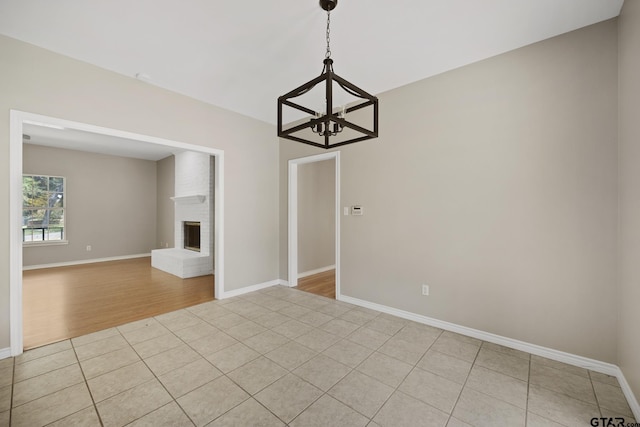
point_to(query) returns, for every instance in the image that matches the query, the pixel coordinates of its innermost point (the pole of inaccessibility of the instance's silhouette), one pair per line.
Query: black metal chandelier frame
(333, 121)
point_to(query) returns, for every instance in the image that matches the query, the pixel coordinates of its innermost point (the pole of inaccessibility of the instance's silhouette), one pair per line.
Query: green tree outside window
(42, 208)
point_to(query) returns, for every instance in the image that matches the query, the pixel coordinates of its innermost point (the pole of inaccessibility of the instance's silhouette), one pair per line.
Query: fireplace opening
(192, 235)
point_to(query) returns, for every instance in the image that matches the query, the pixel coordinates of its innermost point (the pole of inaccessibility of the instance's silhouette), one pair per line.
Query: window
(42, 208)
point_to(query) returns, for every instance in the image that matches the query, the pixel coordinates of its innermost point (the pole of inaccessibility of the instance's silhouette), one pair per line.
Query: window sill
(49, 243)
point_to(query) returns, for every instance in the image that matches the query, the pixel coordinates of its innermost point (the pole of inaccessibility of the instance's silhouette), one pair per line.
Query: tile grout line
(127, 365)
(86, 384)
(502, 373)
(223, 373)
(414, 366)
(325, 392)
(302, 379)
(405, 377)
(292, 373)
(597, 405)
(251, 396)
(361, 326)
(13, 383)
(306, 407)
(465, 381)
(526, 403)
(226, 376)
(173, 399)
(130, 346)
(377, 351)
(295, 302)
(593, 388)
(13, 379)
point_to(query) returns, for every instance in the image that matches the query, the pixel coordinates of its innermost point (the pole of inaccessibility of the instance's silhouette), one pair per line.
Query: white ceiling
(73, 139)
(241, 55)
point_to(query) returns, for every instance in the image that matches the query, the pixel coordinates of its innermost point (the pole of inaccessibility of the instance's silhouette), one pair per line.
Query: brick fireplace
(192, 254)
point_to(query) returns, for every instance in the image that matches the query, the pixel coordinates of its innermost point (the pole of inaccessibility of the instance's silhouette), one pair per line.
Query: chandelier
(338, 124)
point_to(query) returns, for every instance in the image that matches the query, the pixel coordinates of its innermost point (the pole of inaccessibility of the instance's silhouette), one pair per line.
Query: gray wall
(110, 204)
(165, 206)
(316, 215)
(495, 183)
(629, 158)
(39, 81)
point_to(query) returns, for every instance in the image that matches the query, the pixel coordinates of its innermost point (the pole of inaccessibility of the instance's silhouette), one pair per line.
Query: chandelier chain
(328, 54)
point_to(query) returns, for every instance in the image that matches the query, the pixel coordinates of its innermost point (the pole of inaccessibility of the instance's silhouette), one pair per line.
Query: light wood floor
(320, 284)
(66, 302)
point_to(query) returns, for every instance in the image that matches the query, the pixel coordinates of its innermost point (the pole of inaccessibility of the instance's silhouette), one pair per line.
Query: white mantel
(196, 198)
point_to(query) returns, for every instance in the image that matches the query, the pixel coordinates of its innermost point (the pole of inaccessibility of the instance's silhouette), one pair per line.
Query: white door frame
(293, 215)
(17, 118)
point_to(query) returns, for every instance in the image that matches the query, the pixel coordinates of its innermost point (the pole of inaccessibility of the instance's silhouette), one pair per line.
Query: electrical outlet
(425, 289)
(88, 248)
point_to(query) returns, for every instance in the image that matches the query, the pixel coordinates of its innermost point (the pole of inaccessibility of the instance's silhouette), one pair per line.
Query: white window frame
(64, 240)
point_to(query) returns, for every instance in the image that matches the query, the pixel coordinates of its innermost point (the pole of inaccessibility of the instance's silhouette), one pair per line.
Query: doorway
(300, 254)
(18, 121)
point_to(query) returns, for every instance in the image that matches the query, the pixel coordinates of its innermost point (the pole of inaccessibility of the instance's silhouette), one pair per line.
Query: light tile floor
(284, 357)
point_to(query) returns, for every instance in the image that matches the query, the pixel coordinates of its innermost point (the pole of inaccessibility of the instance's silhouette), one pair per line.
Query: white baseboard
(316, 271)
(560, 356)
(247, 289)
(84, 261)
(5, 353)
(628, 393)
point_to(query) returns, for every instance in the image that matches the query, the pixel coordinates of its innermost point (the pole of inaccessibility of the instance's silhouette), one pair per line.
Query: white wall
(496, 184)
